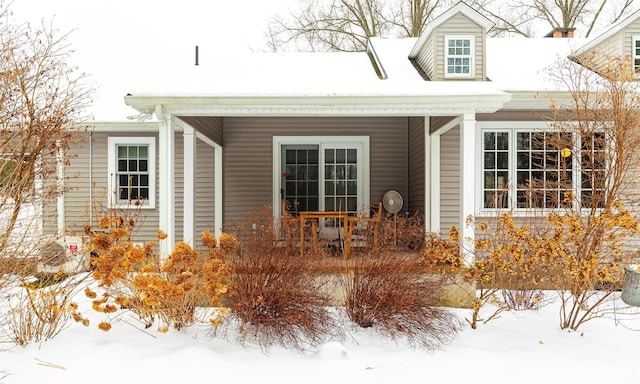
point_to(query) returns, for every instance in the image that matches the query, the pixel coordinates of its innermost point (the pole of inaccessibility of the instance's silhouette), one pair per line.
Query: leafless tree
(523, 17)
(42, 105)
(345, 25)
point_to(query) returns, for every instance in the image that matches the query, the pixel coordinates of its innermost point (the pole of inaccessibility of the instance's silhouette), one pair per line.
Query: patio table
(315, 217)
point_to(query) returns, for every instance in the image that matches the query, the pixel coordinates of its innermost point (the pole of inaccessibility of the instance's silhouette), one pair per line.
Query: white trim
(60, 185)
(435, 183)
(481, 97)
(361, 142)
(427, 175)
(111, 169)
(634, 55)
(189, 180)
(218, 203)
(460, 7)
(471, 57)
(467, 184)
(514, 127)
(498, 126)
(448, 126)
(166, 196)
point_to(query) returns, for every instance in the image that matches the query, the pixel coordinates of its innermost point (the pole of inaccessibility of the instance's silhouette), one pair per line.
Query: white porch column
(166, 163)
(189, 224)
(467, 183)
(60, 204)
(434, 164)
(427, 176)
(217, 189)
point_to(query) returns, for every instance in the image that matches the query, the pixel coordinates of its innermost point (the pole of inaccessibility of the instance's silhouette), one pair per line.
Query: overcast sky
(158, 24)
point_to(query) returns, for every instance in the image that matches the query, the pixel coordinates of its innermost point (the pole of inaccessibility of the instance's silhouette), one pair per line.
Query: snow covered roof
(319, 74)
(524, 64)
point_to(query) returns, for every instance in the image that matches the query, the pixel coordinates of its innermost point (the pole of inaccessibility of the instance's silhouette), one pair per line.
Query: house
(435, 118)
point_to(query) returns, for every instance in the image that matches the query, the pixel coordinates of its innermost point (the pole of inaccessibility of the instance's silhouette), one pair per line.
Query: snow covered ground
(518, 347)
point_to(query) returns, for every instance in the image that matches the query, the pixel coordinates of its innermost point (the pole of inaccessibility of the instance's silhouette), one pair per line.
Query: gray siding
(204, 193)
(178, 196)
(416, 176)
(426, 57)
(248, 158)
(204, 190)
(209, 126)
(618, 45)
(450, 179)
(86, 179)
(459, 24)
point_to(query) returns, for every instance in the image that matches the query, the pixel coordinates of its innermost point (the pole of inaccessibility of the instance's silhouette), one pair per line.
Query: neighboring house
(436, 118)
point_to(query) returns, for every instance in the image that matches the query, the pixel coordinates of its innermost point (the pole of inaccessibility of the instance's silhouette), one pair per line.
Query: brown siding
(80, 183)
(204, 190)
(459, 24)
(248, 155)
(426, 57)
(437, 122)
(178, 196)
(450, 179)
(416, 170)
(209, 126)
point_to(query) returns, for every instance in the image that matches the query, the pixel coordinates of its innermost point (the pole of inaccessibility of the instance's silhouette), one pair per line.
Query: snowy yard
(522, 347)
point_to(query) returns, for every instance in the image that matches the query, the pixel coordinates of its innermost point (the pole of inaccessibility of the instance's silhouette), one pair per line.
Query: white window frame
(112, 196)
(471, 57)
(359, 142)
(514, 128)
(635, 53)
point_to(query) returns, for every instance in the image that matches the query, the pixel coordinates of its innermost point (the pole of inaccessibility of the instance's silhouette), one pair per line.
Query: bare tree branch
(346, 25)
(523, 17)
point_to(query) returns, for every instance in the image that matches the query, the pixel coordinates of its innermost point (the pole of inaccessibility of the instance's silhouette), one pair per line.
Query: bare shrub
(403, 231)
(133, 278)
(509, 270)
(392, 293)
(37, 313)
(277, 298)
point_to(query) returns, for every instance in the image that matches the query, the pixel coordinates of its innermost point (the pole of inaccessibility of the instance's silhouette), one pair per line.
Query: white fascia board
(537, 100)
(402, 105)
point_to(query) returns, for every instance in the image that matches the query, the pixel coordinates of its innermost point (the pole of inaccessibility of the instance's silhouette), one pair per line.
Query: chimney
(561, 32)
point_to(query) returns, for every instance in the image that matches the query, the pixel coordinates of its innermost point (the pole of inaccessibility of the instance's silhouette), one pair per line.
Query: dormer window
(459, 56)
(636, 53)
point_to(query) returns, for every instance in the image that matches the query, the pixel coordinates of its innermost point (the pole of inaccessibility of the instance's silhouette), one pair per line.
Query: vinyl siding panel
(416, 171)
(248, 155)
(450, 179)
(86, 179)
(205, 195)
(426, 56)
(459, 24)
(178, 196)
(618, 45)
(209, 126)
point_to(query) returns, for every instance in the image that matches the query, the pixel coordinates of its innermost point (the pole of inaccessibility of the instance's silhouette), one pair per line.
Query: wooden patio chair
(363, 229)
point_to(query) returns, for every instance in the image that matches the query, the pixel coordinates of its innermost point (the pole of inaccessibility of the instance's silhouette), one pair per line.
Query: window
(132, 171)
(13, 171)
(459, 56)
(636, 53)
(535, 169)
(322, 173)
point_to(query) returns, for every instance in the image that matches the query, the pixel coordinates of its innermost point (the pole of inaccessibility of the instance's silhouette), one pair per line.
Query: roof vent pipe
(197, 56)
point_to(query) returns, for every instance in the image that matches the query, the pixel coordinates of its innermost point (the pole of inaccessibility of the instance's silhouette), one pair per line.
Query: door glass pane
(341, 179)
(301, 178)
